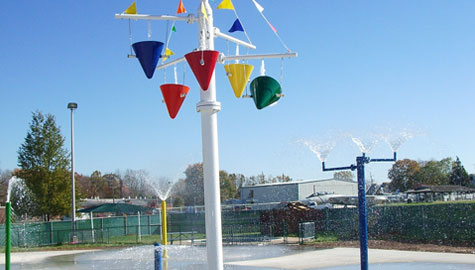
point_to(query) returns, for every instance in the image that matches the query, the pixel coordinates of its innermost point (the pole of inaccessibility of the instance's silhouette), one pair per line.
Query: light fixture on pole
(72, 106)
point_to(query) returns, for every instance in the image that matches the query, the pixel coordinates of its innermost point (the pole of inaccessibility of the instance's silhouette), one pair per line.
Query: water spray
(359, 167)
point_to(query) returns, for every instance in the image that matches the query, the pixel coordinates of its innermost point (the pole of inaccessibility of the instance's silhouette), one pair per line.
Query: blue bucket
(148, 53)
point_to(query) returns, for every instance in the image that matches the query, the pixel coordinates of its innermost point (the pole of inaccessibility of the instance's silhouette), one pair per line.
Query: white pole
(92, 227)
(237, 53)
(257, 56)
(208, 107)
(189, 19)
(218, 33)
(139, 233)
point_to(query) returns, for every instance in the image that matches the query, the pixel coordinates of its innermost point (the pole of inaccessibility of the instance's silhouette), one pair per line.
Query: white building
(296, 190)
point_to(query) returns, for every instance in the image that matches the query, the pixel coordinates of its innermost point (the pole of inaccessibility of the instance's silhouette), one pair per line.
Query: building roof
(299, 182)
(440, 189)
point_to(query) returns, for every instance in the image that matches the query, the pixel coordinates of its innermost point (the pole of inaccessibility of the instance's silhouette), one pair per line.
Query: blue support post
(158, 256)
(359, 167)
(360, 161)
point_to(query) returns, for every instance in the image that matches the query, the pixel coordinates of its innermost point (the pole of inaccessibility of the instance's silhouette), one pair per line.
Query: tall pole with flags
(208, 107)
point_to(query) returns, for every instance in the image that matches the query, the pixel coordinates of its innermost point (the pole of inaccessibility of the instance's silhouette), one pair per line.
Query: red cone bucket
(202, 64)
(174, 95)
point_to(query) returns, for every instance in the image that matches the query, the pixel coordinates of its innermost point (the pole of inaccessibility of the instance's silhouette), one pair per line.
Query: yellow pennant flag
(132, 9)
(226, 4)
(203, 10)
(168, 53)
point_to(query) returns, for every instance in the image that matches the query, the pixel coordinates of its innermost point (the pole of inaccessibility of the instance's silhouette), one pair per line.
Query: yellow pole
(164, 227)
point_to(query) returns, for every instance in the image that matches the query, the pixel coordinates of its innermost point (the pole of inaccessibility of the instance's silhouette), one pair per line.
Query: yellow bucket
(238, 75)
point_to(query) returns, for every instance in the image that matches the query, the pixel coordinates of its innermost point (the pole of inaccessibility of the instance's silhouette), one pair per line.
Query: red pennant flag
(181, 8)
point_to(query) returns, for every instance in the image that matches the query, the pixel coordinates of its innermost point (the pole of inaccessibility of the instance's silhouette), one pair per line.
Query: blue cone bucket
(148, 53)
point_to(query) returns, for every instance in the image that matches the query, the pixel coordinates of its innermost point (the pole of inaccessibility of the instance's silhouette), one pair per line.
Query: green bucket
(265, 91)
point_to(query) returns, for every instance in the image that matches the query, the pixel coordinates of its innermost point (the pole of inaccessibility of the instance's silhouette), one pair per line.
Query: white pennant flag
(259, 7)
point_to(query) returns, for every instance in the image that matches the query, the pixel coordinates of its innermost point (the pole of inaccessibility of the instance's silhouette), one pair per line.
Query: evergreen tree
(44, 166)
(458, 175)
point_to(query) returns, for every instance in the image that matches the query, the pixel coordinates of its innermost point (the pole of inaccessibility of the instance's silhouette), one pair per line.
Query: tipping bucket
(202, 64)
(238, 75)
(174, 95)
(265, 91)
(148, 53)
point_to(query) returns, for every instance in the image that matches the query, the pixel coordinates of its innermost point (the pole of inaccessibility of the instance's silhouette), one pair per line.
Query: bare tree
(137, 183)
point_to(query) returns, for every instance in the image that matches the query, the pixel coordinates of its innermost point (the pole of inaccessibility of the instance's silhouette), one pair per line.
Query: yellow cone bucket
(238, 75)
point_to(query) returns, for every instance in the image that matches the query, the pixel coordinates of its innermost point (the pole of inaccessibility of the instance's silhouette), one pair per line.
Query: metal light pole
(363, 221)
(72, 106)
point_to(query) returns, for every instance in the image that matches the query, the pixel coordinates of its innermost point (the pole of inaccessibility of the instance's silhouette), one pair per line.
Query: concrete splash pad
(243, 258)
(325, 258)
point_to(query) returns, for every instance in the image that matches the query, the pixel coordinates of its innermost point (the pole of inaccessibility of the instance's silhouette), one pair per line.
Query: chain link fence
(437, 223)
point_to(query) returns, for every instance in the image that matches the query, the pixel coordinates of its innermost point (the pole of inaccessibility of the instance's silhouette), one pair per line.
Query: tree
(112, 185)
(227, 186)
(263, 179)
(435, 172)
(281, 179)
(191, 189)
(404, 175)
(178, 201)
(239, 180)
(458, 175)
(84, 184)
(194, 186)
(137, 184)
(96, 184)
(44, 166)
(344, 175)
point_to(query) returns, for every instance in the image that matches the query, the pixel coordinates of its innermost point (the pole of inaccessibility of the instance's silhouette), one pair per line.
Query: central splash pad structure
(202, 62)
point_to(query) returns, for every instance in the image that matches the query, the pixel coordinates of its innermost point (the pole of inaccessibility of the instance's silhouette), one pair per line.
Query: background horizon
(364, 69)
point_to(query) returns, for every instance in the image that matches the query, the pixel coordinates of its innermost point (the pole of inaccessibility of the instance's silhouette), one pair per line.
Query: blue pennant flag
(236, 26)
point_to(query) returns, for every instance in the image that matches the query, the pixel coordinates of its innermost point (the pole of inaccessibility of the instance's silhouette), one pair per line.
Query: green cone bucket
(265, 91)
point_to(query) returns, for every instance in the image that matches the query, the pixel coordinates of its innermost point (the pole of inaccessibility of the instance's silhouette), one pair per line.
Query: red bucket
(174, 95)
(202, 64)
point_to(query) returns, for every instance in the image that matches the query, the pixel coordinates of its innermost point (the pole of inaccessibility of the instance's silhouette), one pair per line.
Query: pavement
(350, 256)
(311, 259)
(38, 256)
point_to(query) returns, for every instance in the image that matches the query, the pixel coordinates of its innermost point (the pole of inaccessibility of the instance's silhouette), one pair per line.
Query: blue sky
(364, 67)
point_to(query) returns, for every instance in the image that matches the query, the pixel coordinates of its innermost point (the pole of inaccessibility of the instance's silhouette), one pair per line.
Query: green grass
(325, 238)
(68, 247)
(114, 242)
